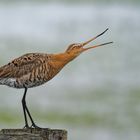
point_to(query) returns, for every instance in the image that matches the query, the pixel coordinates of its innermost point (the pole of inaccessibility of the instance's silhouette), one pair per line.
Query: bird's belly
(21, 82)
(11, 82)
(34, 84)
(33, 79)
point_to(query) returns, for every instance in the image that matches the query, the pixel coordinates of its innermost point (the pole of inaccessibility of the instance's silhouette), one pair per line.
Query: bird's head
(77, 48)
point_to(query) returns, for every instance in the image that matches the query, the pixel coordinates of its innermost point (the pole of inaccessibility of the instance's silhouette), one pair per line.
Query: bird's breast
(37, 76)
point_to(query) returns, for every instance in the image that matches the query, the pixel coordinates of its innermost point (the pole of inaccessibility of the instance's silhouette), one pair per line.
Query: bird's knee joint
(23, 101)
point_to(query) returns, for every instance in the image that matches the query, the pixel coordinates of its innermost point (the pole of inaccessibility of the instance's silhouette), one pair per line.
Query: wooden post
(33, 134)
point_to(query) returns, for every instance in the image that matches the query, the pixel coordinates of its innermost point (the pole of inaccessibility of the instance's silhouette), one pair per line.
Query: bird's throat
(60, 60)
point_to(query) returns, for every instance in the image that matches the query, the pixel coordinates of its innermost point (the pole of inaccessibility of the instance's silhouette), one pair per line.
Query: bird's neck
(60, 60)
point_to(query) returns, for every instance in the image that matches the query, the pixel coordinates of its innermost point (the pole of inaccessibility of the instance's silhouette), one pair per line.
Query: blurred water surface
(97, 96)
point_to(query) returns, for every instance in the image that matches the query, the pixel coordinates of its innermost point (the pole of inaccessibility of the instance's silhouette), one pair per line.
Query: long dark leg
(33, 123)
(26, 110)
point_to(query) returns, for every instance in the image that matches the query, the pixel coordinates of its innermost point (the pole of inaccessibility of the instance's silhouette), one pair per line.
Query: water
(94, 97)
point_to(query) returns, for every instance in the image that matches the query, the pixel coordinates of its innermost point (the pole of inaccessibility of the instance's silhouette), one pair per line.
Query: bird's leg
(24, 109)
(33, 123)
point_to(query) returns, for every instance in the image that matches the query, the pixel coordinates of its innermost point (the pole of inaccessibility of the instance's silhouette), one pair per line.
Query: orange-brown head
(77, 48)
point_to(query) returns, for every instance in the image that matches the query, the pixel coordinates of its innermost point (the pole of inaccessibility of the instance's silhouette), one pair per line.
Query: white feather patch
(8, 81)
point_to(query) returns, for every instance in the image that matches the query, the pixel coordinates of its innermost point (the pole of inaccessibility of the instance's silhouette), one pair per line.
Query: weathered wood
(33, 134)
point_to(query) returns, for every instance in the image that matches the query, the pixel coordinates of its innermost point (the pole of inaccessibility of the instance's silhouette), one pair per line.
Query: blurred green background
(95, 97)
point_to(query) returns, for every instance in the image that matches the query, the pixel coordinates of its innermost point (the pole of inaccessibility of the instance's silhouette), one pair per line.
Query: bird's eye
(71, 47)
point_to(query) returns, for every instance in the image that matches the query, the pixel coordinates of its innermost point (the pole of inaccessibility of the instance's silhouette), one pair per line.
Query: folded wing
(22, 65)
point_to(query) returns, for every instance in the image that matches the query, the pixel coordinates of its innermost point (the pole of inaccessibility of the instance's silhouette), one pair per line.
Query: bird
(34, 69)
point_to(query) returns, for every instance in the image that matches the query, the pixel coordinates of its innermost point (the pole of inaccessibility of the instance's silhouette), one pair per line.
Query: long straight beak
(85, 43)
(95, 46)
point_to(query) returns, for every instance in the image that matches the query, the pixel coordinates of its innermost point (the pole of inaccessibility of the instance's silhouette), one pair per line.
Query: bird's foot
(35, 126)
(32, 126)
(26, 126)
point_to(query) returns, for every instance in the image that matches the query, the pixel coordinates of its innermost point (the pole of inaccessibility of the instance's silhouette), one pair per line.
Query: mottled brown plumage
(34, 69)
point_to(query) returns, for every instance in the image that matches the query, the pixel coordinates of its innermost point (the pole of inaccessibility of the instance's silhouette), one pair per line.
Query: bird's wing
(22, 65)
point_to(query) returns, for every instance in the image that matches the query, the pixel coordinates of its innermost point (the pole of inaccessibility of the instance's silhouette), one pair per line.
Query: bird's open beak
(87, 42)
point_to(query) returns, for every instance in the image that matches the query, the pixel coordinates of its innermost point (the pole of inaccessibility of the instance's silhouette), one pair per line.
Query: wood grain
(33, 134)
